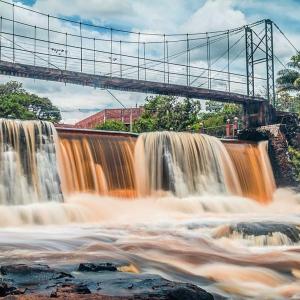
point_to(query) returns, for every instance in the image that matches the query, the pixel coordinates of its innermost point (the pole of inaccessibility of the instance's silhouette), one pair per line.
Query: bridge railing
(228, 131)
(92, 50)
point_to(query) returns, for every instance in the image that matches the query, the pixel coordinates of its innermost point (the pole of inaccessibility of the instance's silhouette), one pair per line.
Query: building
(125, 115)
(64, 125)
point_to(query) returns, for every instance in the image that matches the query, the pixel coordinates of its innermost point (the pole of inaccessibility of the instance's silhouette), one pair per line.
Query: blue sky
(160, 16)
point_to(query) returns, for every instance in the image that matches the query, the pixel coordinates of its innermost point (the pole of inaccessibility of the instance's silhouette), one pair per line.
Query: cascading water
(28, 171)
(253, 169)
(97, 164)
(193, 214)
(184, 163)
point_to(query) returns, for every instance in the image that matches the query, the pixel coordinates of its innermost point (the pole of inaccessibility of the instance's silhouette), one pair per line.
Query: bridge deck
(116, 83)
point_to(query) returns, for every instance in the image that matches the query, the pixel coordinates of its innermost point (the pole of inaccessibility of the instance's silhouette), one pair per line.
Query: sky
(156, 16)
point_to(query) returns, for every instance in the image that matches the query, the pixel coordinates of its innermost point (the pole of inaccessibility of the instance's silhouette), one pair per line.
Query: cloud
(214, 15)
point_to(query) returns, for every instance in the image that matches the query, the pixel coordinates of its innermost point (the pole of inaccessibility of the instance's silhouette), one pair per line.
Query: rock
(92, 281)
(264, 228)
(101, 267)
(34, 270)
(6, 290)
(279, 137)
(80, 289)
(188, 293)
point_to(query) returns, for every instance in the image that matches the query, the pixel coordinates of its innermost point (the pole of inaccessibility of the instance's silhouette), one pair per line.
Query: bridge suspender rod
(167, 45)
(164, 58)
(139, 36)
(66, 52)
(121, 59)
(187, 60)
(13, 11)
(1, 20)
(34, 51)
(111, 50)
(48, 33)
(145, 60)
(80, 29)
(228, 59)
(94, 56)
(208, 61)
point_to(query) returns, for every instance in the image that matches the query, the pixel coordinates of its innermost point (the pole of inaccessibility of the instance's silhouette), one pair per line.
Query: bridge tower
(260, 50)
(262, 43)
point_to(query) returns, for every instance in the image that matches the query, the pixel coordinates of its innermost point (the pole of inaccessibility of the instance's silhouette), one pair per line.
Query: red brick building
(125, 115)
(64, 125)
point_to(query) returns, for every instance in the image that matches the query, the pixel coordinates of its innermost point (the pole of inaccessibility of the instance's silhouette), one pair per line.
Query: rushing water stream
(184, 206)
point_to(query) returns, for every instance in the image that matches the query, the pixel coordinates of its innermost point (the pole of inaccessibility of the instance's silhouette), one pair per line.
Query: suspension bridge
(235, 65)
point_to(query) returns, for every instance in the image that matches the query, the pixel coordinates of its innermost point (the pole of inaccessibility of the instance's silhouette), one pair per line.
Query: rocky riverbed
(91, 281)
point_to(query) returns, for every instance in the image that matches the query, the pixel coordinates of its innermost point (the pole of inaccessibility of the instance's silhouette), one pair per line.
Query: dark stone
(263, 228)
(6, 290)
(188, 293)
(280, 137)
(101, 267)
(80, 289)
(22, 269)
(33, 271)
(93, 281)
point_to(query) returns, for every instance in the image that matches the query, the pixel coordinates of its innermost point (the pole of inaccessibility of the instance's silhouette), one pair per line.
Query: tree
(287, 102)
(168, 113)
(218, 114)
(289, 79)
(288, 84)
(16, 103)
(213, 106)
(112, 125)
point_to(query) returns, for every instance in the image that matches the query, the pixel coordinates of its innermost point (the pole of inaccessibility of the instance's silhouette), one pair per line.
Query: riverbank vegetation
(16, 103)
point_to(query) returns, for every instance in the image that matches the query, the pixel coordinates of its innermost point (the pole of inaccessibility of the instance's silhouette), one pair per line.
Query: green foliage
(219, 113)
(144, 124)
(112, 125)
(168, 113)
(288, 83)
(295, 160)
(289, 79)
(287, 102)
(16, 103)
(213, 106)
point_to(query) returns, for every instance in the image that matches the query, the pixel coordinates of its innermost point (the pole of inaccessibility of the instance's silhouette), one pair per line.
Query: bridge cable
(127, 31)
(289, 41)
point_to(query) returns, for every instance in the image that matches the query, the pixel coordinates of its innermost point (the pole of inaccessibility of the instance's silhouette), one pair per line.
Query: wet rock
(33, 270)
(188, 293)
(101, 267)
(279, 137)
(264, 228)
(22, 269)
(6, 290)
(92, 281)
(80, 289)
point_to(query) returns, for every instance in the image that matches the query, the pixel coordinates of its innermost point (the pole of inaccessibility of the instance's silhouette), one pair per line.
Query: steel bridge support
(257, 114)
(271, 95)
(249, 61)
(263, 43)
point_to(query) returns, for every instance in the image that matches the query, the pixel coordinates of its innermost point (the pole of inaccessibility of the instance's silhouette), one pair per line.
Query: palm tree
(289, 79)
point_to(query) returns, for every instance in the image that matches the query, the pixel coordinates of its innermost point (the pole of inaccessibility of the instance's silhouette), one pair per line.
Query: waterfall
(37, 164)
(183, 163)
(253, 169)
(28, 171)
(95, 163)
